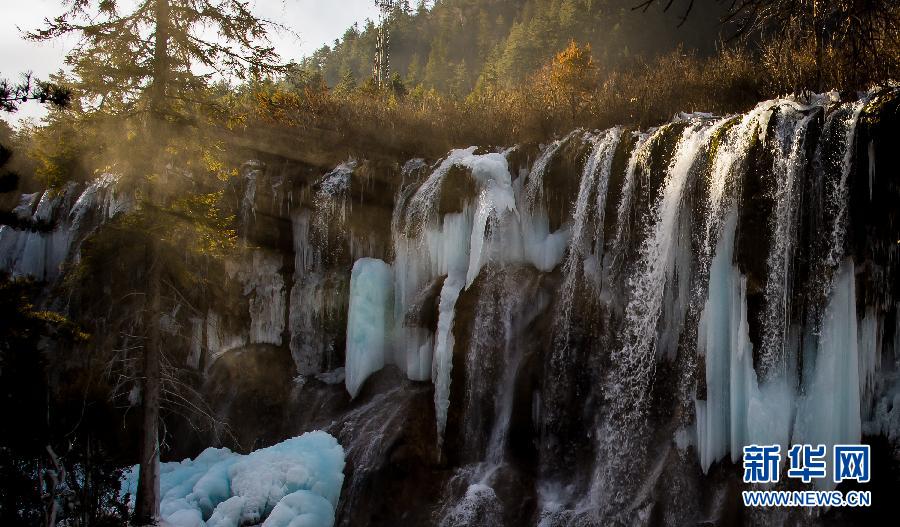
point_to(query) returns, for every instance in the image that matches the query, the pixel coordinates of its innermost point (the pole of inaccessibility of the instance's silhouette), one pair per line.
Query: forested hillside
(457, 43)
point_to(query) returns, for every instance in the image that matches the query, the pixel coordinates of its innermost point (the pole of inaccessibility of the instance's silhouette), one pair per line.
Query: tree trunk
(160, 80)
(54, 478)
(146, 509)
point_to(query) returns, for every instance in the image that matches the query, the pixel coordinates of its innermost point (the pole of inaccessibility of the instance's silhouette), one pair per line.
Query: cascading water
(586, 333)
(636, 359)
(582, 264)
(53, 226)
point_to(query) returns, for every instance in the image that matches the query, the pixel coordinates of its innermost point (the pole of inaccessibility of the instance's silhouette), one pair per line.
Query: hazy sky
(316, 21)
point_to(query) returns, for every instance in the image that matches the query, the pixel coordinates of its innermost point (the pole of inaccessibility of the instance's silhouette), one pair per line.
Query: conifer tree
(138, 61)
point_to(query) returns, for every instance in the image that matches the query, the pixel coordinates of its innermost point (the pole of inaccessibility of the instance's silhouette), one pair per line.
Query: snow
(368, 320)
(295, 483)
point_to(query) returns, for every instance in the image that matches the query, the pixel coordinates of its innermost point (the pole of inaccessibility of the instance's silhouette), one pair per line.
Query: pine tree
(459, 82)
(31, 89)
(138, 63)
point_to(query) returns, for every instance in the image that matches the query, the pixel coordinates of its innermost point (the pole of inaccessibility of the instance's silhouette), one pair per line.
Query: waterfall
(634, 362)
(750, 392)
(53, 226)
(599, 323)
(789, 162)
(586, 246)
(837, 192)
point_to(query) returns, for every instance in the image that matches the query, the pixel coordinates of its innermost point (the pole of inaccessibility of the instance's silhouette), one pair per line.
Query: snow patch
(295, 483)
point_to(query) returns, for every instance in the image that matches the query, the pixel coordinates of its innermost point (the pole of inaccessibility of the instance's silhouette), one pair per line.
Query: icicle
(368, 321)
(264, 285)
(495, 198)
(443, 351)
(737, 410)
(829, 411)
(426, 246)
(542, 248)
(41, 254)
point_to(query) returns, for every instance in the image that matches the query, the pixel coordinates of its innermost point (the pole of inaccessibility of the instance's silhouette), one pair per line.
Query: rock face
(581, 333)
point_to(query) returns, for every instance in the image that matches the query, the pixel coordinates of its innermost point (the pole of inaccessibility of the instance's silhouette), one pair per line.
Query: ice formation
(61, 218)
(829, 411)
(264, 286)
(839, 362)
(737, 411)
(368, 321)
(635, 361)
(295, 483)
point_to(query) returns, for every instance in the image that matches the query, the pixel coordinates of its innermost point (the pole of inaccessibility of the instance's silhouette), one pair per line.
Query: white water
(635, 360)
(504, 224)
(70, 215)
(586, 246)
(789, 163)
(837, 194)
